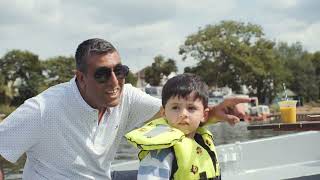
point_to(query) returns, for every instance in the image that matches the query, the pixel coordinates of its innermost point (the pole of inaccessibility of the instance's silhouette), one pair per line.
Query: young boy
(176, 146)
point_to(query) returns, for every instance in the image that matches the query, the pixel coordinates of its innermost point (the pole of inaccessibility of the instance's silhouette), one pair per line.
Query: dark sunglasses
(103, 74)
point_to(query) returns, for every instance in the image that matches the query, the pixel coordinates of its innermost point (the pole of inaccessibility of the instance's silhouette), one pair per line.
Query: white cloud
(305, 35)
(280, 5)
(283, 27)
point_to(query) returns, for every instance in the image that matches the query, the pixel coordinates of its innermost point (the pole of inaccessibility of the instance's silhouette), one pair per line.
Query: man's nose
(113, 78)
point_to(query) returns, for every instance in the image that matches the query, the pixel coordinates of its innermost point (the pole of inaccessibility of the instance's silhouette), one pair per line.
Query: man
(1, 173)
(72, 130)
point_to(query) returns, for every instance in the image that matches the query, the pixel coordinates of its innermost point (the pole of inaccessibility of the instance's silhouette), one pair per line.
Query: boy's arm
(229, 110)
(156, 165)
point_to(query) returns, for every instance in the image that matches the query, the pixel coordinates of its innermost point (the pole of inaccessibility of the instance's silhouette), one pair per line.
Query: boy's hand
(229, 110)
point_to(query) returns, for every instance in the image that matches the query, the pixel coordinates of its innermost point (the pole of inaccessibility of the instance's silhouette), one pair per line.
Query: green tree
(4, 93)
(21, 72)
(207, 70)
(316, 64)
(168, 67)
(158, 69)
(303, 78)
(58, 69)
(132, 79)
(234, 54)
(265, 76)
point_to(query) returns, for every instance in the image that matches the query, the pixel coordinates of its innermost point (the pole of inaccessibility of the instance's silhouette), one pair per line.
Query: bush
(6, 109)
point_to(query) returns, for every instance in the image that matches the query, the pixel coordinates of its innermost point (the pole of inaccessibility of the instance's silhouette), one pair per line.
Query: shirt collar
(82, 101)
(78, 96)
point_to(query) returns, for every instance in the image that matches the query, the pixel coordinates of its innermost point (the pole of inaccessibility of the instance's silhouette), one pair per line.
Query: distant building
(141, 78)
(154, 91)
(217, 95)
(141, 83)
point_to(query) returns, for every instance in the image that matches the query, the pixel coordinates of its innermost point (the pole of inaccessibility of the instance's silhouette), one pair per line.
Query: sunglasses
(103, 74)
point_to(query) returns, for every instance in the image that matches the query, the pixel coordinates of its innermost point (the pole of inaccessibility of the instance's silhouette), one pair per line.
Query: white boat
(292, 156)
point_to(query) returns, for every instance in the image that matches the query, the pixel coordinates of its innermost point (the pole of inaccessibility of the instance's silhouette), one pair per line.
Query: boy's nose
(183, 113)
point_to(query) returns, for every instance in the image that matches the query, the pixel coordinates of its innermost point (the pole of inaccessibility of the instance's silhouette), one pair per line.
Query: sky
(143, 29)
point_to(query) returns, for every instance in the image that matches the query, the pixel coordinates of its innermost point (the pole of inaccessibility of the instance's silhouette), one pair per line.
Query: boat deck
(282, 157)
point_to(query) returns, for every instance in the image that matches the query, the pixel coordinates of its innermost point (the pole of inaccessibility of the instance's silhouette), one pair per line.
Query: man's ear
(79, 76)
(205, 115)
(80, 80)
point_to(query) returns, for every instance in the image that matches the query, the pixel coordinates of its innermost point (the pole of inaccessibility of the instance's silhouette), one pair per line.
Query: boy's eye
(174, 107)
(192, 108)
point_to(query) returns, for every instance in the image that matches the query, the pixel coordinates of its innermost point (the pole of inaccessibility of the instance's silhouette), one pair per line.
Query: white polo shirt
(61, 136)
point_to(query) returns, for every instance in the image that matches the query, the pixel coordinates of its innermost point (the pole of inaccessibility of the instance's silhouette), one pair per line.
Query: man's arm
(142, 107)
(157, 115)
(229, 110)
(1, 172)
(20, 131)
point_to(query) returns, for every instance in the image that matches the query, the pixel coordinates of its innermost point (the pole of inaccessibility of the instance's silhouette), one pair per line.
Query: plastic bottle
(222, 157)
(238, 163)
(232, 160)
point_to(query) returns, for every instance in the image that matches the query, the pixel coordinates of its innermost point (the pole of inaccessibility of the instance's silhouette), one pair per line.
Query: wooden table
(299, 126)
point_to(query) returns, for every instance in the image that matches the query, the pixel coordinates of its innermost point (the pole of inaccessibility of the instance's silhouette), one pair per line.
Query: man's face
(185, 113)
(101, 94)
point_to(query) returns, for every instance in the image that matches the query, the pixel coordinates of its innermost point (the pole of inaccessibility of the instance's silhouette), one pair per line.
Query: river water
(223, 133)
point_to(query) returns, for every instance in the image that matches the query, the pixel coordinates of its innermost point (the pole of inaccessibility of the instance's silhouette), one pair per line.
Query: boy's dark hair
(184, 84)
(91, 47)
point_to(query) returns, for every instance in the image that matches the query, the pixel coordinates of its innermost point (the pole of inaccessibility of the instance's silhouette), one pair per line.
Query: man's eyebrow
(108, 67)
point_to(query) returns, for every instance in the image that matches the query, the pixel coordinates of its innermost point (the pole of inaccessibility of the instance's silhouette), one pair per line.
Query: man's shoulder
(128, 89)
(56, 92)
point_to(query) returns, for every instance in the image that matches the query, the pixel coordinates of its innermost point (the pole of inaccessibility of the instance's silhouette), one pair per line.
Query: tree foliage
(158, 69)
(235, 54)
(303, 77)
(4, 90)
(58, 69)
(316, 64)
(132, 79)
(21, 71)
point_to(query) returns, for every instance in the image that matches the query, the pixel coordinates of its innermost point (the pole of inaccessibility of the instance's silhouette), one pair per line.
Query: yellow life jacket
(191, 155)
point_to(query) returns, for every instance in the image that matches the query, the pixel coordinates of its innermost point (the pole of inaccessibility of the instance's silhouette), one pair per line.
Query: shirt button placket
(95, 124)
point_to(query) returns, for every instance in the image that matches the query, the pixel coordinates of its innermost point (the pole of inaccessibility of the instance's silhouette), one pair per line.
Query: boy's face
(185, 113)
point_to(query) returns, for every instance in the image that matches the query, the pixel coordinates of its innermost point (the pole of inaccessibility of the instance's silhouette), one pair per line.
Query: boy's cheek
(204, 120)
(171, 123)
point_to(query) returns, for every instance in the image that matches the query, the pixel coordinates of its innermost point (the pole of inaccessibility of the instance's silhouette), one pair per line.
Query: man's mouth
(113, 91)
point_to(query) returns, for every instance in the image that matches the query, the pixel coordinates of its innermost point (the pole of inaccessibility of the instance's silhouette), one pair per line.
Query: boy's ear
(162, 112)
(205, 115)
